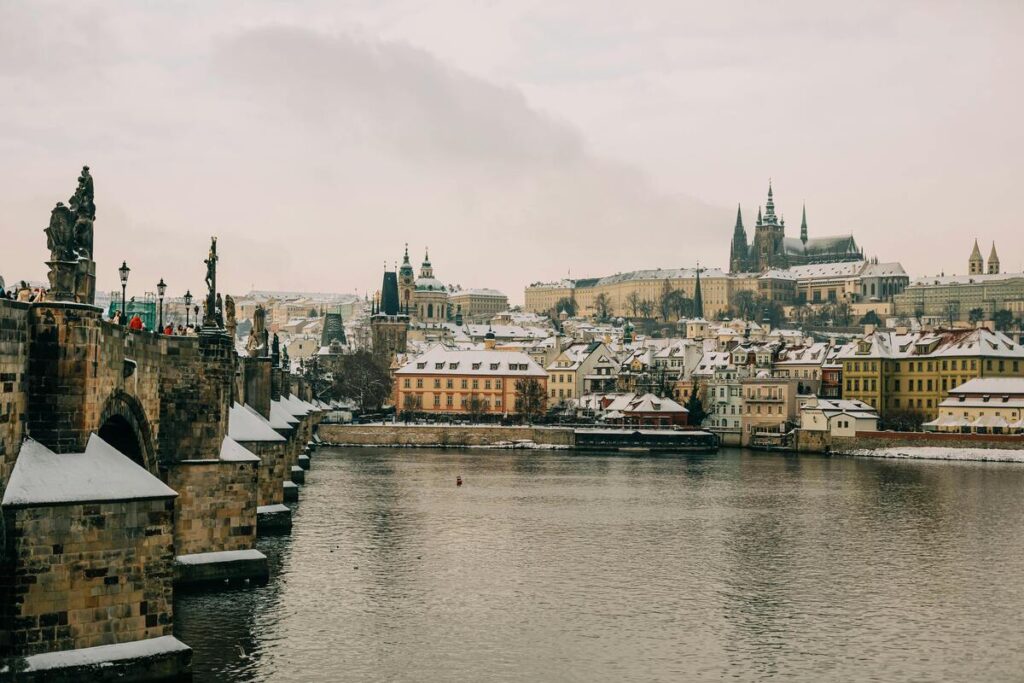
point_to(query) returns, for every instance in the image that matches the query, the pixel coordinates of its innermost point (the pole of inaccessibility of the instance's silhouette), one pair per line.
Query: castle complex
(771, 249)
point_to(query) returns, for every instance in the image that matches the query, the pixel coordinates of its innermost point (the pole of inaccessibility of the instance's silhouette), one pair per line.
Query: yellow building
(989, 405)
(953, 297)
(913, 371)
(769, 409)
(542, 297)
(624, 291)
(477, 305)
(447, 380)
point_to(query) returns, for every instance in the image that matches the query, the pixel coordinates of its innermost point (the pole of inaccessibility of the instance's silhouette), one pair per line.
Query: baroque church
(771, 249)
(423, 298)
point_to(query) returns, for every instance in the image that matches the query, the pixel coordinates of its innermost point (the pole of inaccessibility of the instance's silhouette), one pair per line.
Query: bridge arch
(124, 426)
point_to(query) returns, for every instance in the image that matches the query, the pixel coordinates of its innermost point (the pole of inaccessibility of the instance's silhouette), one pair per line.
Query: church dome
(430, 284)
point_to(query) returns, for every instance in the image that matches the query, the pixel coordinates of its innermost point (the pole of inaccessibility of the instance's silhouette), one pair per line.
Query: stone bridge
(130, 462)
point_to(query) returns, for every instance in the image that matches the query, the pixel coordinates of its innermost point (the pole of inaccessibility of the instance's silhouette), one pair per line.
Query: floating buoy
(458, 481)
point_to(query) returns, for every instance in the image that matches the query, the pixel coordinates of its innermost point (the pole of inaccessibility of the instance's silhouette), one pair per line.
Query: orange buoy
(458, 481)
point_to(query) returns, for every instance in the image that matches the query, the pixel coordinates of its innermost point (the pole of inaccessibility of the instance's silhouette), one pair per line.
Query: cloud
(315, 156)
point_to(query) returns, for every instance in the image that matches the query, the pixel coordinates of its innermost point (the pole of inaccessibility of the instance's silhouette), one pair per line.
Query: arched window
(430, 311)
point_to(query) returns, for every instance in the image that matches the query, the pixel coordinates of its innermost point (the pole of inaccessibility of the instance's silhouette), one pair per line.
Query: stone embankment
(916, 445)
(444, 436)
(493, 436)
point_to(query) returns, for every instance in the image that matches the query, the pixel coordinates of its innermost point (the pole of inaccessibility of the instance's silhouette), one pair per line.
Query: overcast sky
(519, 140)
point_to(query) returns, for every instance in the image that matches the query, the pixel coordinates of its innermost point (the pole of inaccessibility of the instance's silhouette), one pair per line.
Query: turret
(993, 261)
(975, 264)
(803, 227)
(426, 270)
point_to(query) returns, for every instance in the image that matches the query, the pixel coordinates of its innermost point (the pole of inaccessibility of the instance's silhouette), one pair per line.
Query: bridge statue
(69, 238)
(230, 322)
(256, 344)
(212, 314)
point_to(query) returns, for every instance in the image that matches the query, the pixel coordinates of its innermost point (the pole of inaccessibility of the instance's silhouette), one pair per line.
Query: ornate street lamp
(161, 289)
(123, 272)
(188, 304)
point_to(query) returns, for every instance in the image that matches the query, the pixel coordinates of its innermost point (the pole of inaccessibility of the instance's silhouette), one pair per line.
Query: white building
(838, 417)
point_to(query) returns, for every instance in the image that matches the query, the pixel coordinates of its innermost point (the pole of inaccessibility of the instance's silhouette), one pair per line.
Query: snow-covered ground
(942, 453)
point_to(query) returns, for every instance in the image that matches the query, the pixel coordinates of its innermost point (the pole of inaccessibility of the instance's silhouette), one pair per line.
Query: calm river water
(555, 566)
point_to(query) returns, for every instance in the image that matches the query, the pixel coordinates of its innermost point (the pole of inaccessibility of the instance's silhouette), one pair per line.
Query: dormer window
(439, 366)
(476, 366)
(494, 366)
(421, 366)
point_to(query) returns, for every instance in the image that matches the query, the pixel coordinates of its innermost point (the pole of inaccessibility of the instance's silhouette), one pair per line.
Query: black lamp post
(123, 272)
(188, 304)
(161, 289)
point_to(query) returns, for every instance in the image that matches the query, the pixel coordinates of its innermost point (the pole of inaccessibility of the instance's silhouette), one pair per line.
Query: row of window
(562, 393)
(464, 401)
(449, 383)
(930, 366)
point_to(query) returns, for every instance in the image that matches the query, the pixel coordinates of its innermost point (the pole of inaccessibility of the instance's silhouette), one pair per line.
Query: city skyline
(563, 141)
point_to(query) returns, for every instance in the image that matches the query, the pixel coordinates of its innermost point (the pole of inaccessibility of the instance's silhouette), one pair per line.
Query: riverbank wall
(823, 442)
(445, 436)
(495, 436)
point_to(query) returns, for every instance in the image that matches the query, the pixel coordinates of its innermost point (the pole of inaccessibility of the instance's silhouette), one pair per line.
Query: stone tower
(389, 323)
(406, 282)
(975, 264)
(993, 261)
(769, 234)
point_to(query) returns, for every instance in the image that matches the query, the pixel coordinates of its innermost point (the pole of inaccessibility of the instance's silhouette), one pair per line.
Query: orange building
(446, 380)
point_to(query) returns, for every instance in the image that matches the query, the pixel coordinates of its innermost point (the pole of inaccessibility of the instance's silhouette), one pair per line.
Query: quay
(500, 436)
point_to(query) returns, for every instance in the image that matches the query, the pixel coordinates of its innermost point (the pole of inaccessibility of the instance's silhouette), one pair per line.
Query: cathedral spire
(803, 227)
(738, 248)
(769, 207)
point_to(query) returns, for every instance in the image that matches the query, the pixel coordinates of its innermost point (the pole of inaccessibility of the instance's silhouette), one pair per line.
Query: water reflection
(563, 566)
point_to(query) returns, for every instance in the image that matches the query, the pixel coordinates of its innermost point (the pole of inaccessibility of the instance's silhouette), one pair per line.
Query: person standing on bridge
(136, 323)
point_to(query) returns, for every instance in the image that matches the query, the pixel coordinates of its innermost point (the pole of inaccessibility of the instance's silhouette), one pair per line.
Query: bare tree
(531, 397)
(633, 302)
(602, 307)
(363, 378)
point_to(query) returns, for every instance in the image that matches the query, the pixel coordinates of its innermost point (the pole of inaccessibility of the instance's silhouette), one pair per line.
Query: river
(560, 566)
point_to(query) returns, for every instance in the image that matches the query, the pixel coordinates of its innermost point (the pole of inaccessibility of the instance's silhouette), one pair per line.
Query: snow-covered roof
(934, 280)
(842, 406)
(996, 386)
(295, 405)
(979, 342)
(660, 274)
(441, 360)
(483, 291)
(245, 424)
(101, 473)
(280, 416)
(649, 403)
(883, 270)
(816, 271)
(232, 451)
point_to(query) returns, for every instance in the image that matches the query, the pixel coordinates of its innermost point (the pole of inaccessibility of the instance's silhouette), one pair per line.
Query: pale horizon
(519, 141)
